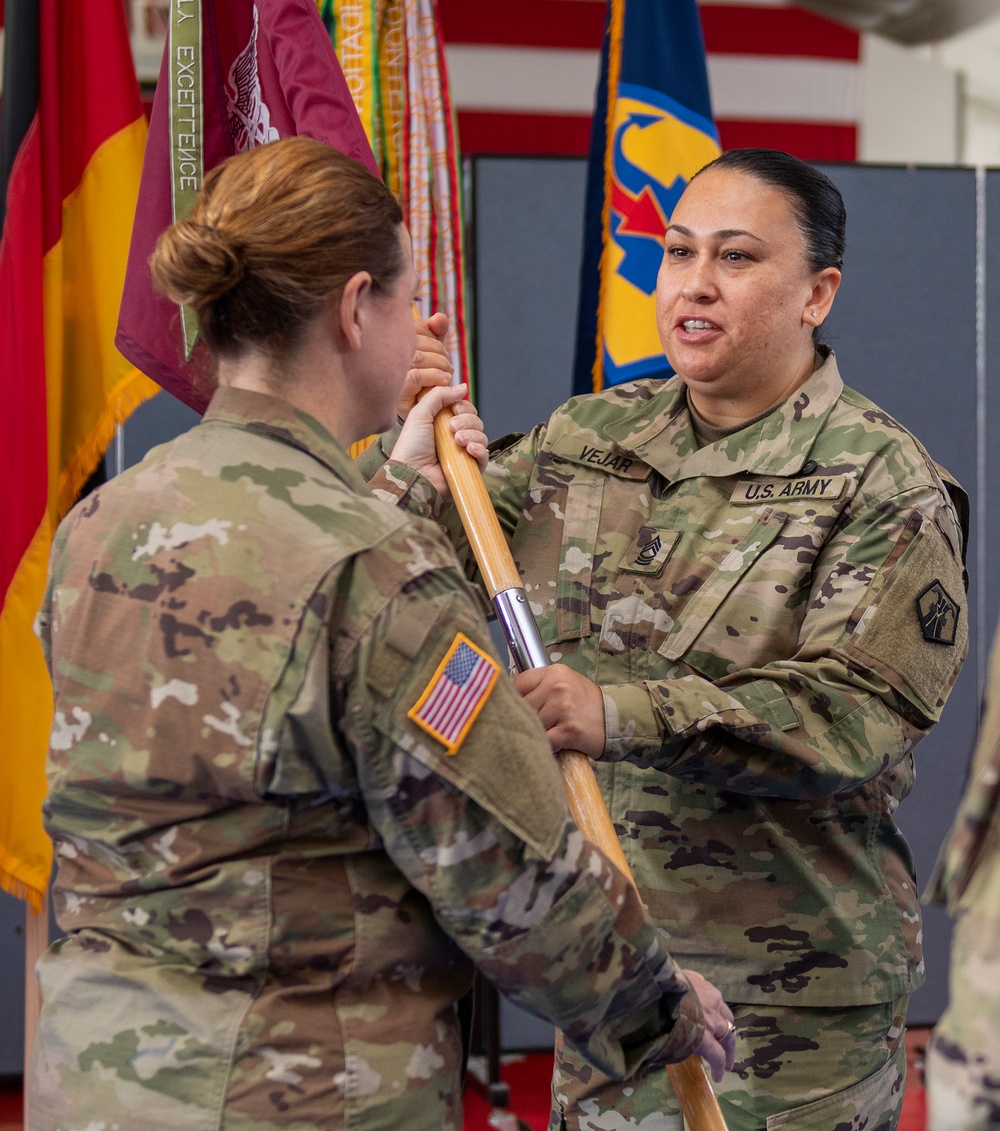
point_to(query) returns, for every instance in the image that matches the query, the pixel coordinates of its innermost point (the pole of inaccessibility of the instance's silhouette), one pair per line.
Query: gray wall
(921, 256)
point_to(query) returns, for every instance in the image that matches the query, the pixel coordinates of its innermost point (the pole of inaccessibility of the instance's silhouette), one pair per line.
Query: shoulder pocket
(574, 582)
(914, 630)
(502, 761)
(297, 749)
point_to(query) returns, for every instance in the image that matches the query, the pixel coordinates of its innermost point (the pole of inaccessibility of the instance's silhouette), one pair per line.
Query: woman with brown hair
(292, 796)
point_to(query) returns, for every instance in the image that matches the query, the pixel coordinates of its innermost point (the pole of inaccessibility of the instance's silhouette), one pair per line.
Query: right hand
(415, 444)
(717, 1047)
(430, 365)
(568, 705)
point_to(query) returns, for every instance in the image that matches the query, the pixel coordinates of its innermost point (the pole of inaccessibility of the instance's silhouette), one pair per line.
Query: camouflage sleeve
(882, 638)
(470, 806)
(507, 476)
(43, 626)
(43, 619)
(974, 839)
(377, 452)
(963, 1061)
(397, 484)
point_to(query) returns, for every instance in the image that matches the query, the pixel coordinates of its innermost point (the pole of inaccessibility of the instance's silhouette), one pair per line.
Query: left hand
(430, 364)
(568, 705)
(415, 446)
(718, 1045)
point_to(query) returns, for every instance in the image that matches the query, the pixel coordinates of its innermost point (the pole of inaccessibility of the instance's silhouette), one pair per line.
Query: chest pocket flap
(584, 473)
(692, 618)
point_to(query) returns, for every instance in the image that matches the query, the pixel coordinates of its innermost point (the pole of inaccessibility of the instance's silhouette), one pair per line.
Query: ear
(352, 309)
(821, 298)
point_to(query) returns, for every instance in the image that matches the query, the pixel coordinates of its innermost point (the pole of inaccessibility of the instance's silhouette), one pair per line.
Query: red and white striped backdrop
(523, 75)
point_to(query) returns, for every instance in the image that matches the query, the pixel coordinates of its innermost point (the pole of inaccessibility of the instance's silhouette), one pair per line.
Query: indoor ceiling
(909, 22)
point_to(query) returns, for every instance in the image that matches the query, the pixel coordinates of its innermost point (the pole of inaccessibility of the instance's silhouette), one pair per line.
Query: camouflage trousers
(796, 1069)
(963, 1062)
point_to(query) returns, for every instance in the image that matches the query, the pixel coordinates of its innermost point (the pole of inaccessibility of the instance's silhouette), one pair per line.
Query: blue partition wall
(912, 328)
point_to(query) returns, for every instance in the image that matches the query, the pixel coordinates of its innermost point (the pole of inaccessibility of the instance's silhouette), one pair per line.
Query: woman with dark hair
(292, 796)
(750, 581)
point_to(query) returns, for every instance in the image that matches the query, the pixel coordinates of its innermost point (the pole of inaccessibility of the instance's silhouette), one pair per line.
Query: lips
(695, 330)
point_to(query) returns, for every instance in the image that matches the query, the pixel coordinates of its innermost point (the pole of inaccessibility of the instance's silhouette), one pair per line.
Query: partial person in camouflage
(963, 1060)
(291, 793)
(750, 580)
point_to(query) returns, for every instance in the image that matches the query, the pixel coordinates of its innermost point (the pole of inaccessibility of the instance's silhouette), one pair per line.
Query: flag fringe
(616, 32)
(124, 399)
(21, 890)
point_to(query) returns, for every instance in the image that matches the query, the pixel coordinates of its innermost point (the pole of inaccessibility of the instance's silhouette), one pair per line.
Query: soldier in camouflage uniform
(963, 1061)
(760, 575)
(291, 794)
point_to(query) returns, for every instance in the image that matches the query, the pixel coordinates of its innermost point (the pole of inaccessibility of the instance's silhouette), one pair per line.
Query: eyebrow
(724, 234)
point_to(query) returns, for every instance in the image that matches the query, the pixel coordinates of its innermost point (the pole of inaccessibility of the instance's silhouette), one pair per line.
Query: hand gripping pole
(697, 1101)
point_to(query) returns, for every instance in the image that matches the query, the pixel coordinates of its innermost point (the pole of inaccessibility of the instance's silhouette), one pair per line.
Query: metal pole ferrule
(520, 630)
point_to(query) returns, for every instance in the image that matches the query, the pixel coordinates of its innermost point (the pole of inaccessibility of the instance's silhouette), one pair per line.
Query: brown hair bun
(195, 264)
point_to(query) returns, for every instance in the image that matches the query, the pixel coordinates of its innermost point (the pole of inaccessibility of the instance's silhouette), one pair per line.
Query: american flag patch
(456, 694)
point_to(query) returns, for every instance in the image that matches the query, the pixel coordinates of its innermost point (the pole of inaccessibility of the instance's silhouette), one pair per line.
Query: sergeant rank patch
(649, 551)
(457, 692)
(938, 614)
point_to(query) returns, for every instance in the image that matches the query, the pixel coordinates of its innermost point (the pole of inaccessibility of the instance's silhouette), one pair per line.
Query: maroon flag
(235, 74)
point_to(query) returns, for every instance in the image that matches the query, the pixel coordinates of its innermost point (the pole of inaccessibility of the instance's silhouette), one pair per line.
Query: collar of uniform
(777, 445)
(281, 421)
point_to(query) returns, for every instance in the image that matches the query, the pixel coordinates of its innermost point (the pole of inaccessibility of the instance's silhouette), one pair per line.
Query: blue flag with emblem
(652, 132)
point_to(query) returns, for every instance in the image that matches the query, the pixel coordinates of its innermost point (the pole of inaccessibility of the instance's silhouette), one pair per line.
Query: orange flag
(72, 133)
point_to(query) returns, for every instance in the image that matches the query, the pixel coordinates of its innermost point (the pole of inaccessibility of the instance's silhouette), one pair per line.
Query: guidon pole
(698, 1103)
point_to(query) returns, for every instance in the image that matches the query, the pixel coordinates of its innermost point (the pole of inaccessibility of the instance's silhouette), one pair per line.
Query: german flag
(72, 133)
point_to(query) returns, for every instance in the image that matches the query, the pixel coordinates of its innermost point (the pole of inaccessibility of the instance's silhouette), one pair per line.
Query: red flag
(235, 74)
(71, 138)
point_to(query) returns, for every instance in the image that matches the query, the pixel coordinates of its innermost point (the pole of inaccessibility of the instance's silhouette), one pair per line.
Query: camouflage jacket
(963, 1064)
(775, 620)
(974, 840)
(277, 850)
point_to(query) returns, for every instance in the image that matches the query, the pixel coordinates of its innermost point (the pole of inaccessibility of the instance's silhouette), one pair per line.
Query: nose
(699, 284)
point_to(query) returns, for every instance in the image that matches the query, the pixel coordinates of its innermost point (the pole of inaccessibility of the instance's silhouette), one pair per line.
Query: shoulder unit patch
(938, 614)
(457, 692)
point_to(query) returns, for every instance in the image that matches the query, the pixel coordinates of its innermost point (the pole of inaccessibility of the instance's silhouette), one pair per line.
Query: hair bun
(196, 263)
(224, 262)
